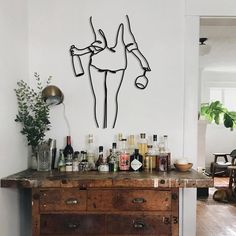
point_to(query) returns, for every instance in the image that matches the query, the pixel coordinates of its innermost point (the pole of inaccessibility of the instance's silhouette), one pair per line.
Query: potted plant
(216, 112)
(33, 113)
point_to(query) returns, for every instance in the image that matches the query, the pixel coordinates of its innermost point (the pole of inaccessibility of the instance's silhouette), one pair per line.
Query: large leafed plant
(33, 112)
(216, 112)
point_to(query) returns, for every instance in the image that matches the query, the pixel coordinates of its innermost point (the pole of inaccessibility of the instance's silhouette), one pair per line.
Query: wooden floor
(214, 218)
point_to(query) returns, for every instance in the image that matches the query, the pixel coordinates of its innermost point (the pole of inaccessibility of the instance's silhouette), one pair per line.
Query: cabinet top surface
(94, 179)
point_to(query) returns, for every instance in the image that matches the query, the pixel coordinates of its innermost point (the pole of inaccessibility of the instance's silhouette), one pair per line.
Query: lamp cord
(65, 117)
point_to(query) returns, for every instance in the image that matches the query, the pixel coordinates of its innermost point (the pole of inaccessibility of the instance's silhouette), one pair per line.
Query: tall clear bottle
(162, 157)
(155, 144)
(131, 144)
(90, 153)
(142, 144)
(167, 151)
(124, 157)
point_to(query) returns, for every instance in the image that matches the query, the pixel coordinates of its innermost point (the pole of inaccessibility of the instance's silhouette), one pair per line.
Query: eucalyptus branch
(33, 112)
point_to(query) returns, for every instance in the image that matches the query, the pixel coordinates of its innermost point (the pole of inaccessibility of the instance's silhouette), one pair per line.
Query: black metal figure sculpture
(109, 61)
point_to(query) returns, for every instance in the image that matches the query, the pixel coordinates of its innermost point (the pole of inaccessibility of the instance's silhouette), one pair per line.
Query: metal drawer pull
(72, 225)
(138, 200)
(138, 225)
(71, 201)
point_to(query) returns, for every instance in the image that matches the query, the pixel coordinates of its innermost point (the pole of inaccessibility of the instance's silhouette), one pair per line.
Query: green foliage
(216, 112)
(33, 112)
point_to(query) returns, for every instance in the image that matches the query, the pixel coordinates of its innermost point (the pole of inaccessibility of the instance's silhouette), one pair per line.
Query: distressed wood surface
(93, 179)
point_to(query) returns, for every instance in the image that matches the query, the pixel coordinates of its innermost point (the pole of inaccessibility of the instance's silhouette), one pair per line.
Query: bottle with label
(100, 156)
(75, 163)
(91, 153)
(150, 159)
(69, 162)
(142, 144)
(162, 157)
(124, 158)
(68, 150)
(136, 161)
(155, 145)
(83, 165)
(119, 143)
(61, 161)
(131, 144)
(167, 151)
(113, 159)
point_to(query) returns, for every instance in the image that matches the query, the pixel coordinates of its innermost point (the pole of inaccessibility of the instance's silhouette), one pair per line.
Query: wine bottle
(68, 150)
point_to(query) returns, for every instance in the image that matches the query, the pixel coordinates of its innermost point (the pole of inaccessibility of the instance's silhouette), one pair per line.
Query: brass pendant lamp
(52, 95)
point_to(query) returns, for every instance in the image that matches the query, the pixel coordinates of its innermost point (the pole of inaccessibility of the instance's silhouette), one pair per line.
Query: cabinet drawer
(63, 200)
(72, 224)
(129, 200)
(139, 224)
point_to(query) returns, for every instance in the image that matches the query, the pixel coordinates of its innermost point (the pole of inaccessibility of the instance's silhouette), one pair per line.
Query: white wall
(55, 25)
(13, 67)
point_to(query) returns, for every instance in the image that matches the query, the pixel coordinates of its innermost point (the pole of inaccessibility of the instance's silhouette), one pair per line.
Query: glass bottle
(90, 153)
(136, 161)
(69, 162)
(68, 150)
(155, 145)
(113, 159)
(61, 161)
(150, 159)
(162, 157)
(167, 151)
(119, 143)
(131, 144)
(75, 162)
(101, 163)
(124, 158)
(142, 144)
(100, 156)
(83, 165)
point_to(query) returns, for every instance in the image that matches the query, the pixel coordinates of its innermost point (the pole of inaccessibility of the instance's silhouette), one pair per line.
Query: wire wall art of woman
(108, 64)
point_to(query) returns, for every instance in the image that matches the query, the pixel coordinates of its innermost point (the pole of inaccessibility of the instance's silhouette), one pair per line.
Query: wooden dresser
(92, 203)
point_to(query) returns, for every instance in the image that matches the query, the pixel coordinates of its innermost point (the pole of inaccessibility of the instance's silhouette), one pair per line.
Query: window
(227, 96)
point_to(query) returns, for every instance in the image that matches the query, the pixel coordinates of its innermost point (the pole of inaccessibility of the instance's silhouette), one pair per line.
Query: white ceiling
(220, 48)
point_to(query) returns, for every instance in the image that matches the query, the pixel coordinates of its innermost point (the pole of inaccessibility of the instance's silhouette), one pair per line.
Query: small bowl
(183, 167)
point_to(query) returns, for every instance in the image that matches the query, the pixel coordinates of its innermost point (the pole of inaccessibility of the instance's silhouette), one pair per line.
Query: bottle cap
(154, 137)
(149, 146)
(114, 145)
(100, 148)
(136, 150)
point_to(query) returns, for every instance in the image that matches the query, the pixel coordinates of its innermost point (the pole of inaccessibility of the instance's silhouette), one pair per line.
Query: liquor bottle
(124, 158)
(113, 159)
(162, 157)
(155, 145)
(90, 153)
(68, 150)
(131, 144)
(167, 151)
(150, 159)
(119, 143)
(83, 165)
(61, 161)
(142, 144)
(100, 156)
(136, 161)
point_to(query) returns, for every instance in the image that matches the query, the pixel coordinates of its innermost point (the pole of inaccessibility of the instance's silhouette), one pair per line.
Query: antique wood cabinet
(92, 203)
